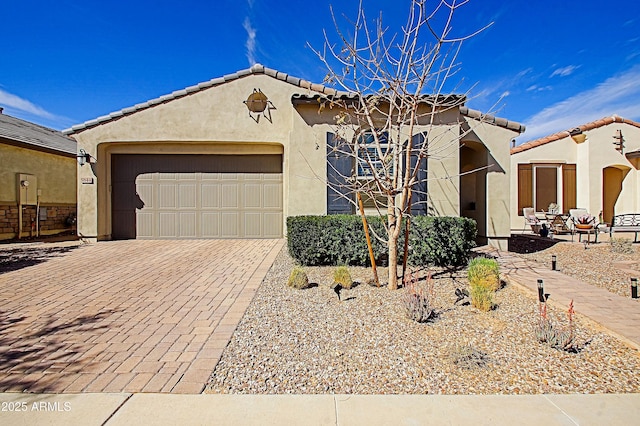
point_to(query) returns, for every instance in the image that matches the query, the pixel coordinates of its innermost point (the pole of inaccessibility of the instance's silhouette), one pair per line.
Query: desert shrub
(558, 337)
(298, 278)
(621, 245)
(342, 276)
(481, 297)
(484, 272)
(340, 240)
(467, 357)
(417, 300)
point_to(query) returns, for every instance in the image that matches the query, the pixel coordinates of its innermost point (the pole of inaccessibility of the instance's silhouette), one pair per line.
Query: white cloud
(536, 88)
(251, 41)
(565, 71)
(619, 95)
(10, 100)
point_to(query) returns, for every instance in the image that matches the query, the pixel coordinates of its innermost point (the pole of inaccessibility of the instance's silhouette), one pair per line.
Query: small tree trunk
(394, 232)
(393, 261)
(366, 234)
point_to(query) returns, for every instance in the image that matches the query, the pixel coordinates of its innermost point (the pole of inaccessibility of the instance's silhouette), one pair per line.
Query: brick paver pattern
(127, 316)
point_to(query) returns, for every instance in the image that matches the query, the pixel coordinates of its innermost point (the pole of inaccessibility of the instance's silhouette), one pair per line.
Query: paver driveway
(127, 316)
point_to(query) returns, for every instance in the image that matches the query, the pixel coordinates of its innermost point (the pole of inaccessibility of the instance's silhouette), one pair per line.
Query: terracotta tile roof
(255, 69)
(577, 130)
(491, 119)
(298, 98)
(29, 135)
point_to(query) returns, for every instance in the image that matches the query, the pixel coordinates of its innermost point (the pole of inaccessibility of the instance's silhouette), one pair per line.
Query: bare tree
(391, 92)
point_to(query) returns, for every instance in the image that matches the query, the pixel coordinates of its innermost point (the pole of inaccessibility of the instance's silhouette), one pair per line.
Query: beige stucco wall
(591, 158)
(54, 188)
(495, 192)
(215, 120)
(56, 174)
(210, 121)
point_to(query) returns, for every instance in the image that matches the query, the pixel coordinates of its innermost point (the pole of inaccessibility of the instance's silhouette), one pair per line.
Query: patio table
(557, 222)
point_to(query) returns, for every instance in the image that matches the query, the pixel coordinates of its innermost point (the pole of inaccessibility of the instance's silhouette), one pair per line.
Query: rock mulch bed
(309, 342)
(594, 264)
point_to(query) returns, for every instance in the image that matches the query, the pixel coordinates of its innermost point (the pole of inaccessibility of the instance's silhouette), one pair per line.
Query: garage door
(196, 196)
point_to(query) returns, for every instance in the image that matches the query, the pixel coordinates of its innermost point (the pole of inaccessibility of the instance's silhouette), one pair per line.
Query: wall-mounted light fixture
(258, 104)
(577, 135)
(83, 157)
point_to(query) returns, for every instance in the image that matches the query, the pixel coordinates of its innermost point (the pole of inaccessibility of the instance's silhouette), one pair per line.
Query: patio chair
(583, 223)
(574, 214)
(531, 220)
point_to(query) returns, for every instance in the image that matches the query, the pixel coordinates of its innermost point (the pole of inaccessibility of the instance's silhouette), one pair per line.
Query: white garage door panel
(167, 195)
(167, 224)
(210, 224)
(187, 224)
(209, 205)
(272, 196)
(229, 224)
(145, 224)
(210, 195)
(187, 196)
(272, 225)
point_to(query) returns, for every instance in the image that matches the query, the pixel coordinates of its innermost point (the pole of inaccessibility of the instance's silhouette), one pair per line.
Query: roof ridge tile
(615, 118)
(254, 70)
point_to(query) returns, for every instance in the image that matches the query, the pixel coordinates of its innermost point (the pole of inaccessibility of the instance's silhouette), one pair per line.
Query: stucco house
(37, 179)
(197, 164)
(593, 166)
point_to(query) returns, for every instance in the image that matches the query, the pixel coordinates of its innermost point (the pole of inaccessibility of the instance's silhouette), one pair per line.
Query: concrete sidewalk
(168, 409)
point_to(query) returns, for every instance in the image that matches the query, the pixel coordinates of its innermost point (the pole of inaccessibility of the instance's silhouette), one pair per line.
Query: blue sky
(551, 65)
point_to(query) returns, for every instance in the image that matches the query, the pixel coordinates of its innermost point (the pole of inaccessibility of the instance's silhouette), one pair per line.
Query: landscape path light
(541, 297)
(634, 288)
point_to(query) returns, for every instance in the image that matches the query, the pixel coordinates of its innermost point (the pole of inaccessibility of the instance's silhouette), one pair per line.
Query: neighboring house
(37, 179)
(594, 166)
(196, 164)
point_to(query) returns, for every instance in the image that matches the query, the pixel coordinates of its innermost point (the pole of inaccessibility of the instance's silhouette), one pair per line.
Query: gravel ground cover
(307, 341)
(594, 264)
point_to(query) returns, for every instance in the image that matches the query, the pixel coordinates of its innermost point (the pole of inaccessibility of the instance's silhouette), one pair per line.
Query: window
(542, 184)
(369, 159)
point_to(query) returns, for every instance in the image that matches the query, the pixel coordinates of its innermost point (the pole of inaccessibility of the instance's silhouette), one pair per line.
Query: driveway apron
(127, 316)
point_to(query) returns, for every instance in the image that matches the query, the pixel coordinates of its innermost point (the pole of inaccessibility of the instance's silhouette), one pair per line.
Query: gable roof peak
(614, 118)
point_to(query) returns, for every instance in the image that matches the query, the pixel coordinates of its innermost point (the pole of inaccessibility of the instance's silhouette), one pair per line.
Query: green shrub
(484, 272)
(331, 240)
(340, 240)
(441, 241)
(481, 297)
(342, 276)
(298, 278)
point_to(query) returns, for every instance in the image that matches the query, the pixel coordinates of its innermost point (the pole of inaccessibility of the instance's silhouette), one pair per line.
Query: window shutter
(525, 187)
(419, 190)
(339, 165)
(569, 197)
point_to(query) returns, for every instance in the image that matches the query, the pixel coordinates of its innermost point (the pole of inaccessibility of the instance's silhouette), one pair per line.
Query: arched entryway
(473, 185)
(612, 178)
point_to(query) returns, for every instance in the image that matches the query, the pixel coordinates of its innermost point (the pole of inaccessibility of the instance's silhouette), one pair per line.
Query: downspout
(38, 213)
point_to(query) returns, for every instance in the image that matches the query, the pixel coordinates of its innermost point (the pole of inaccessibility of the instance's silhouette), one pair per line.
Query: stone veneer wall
(55, 222)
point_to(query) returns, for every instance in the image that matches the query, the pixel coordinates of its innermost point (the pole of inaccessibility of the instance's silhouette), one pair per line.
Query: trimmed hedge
(340, 240)
(441, 241)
